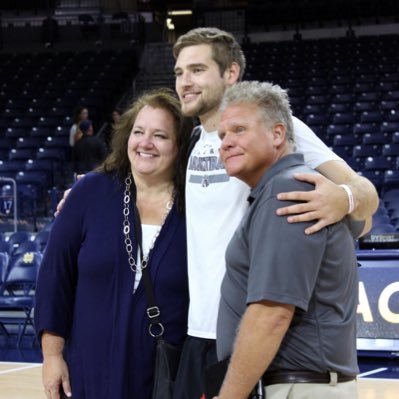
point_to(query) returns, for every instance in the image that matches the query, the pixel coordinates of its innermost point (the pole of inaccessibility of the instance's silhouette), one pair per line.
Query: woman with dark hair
(79, 114)
(90, 312)
(111, 127)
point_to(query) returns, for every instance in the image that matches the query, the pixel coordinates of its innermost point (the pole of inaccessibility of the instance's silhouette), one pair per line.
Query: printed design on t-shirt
(205, 166)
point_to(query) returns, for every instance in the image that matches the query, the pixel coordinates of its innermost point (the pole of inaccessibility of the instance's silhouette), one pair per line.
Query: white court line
(31, 366)
(372, 372)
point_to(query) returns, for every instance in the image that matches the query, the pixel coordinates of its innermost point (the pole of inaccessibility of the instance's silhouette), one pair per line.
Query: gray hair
(271, 99)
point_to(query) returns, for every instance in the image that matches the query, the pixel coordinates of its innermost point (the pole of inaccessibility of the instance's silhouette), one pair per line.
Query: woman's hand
(55, 377)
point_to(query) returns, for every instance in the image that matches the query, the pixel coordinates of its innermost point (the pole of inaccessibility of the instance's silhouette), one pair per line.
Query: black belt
(308, 377)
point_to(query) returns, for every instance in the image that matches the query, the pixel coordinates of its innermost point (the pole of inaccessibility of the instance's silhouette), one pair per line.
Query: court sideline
(23, 381)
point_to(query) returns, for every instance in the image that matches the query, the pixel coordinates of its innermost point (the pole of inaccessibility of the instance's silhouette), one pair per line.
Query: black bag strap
(156, 328)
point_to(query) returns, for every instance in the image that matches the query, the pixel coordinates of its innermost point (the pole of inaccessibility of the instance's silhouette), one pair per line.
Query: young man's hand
(64, 197)
(326, 204)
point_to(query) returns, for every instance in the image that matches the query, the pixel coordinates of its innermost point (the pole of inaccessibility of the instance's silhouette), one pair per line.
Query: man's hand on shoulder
(60, 205)
(326, 204)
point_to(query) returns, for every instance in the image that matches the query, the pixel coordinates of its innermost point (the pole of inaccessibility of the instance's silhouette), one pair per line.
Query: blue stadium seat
(394, 216)
(343, 98)
(362, 128)
(11, 113)
(23, 247)
(317, 119)
(17, 238)
(60, 111)
(371, 116)
(317, 80)
(344, 118)
(41, 239)
(390, 196)
(44, 165)
(381, 219)
(391, 95)
(21, 154)
(36, 113)
(36, 178)
(29, 142)
(15, 133)
(382, 228)
(51, 122)
(315, 90)
(341, 89)
(393, 115)
(4, 258)
(365, 106)
(5, 143)
(381, 210)
(62, 131)
(375, 176)
(41, 131)
(391, 180)
(395, 137)
(387, 86)
(376, 138)
(18, 294)
(365, 78)
(53, 154)
(356, 163)
(391, 149)
(371, 96)
(366, 150)
(319, 99)
(23, 122)
(342, 79)
(364, 87)
(61, 142)
(388, 105)
(377, 163)
(11, 168)
(4, 247)
(390, 127)
(335, 108)
(345, 140)
(313, 109)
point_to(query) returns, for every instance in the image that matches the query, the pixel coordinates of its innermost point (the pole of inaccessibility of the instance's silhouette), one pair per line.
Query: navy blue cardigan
(85, 287)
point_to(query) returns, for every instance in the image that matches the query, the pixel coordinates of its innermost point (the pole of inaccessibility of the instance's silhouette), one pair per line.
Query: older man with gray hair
(288, 309)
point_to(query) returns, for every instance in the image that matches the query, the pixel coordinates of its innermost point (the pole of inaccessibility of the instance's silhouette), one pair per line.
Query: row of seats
(21, 253)
(347, 91)
(386, 218)
(18, 276)
(38, 93)
(20, 242)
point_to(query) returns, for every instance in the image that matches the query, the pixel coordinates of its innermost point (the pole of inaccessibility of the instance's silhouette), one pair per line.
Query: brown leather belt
(307, 377)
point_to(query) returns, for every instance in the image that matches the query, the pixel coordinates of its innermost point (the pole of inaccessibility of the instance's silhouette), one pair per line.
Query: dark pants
(198, 353)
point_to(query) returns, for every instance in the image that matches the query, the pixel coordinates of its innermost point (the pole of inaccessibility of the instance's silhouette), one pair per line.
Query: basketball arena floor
(20, 373)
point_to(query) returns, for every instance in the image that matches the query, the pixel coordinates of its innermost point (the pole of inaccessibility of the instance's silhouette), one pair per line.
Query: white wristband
(351, 200)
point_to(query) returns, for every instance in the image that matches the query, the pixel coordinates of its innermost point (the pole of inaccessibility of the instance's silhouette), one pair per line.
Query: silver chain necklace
(126, 228)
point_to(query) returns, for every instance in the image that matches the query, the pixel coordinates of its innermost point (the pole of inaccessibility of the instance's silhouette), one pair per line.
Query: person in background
(89, 151)
(91, 309)
(301, 330)
(80, 114)
(111, 127)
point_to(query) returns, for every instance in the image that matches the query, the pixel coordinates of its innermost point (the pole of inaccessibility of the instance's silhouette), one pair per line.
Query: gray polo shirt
(270, 259)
